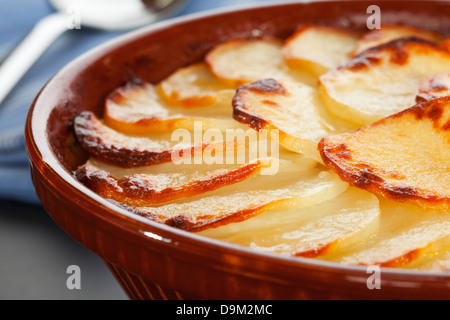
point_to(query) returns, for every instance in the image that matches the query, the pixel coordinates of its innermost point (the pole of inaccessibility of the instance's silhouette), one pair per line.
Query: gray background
(35, 255)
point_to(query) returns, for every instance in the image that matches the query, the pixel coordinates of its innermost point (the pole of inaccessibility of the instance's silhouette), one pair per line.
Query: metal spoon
(72, 14)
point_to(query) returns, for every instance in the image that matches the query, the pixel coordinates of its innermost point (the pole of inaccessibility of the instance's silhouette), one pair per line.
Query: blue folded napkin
(17, 18)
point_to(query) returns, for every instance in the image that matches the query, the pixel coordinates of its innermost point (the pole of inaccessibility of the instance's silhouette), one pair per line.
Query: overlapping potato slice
(240, 201)
(434, 87)
(406, 233)
(240, 61)
(388, 33)
(313, 231)
(317, 49)
(160, 186)
(160, 183)
(195, 86)
(115, 148)
(382, 81)
(138, 109)
(433, 262)
(290, 112)
(404, 157)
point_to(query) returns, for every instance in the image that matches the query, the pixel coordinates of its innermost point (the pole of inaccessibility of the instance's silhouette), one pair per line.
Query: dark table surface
(35, 255)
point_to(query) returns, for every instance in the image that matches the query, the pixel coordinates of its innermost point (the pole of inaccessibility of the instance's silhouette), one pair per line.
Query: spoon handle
(29, 50)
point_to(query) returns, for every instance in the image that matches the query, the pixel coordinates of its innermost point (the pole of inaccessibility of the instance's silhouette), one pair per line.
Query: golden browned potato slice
(137, 109)
(347, 220)
(240, 61)
(290, 112)
(115, 148)
(173, 180)
(382, 81)
(434, 87)
(144, 189)
(406, 234)
(317, 49)
(240, 201)
(389, 33)
(195, 86)
(404, 157)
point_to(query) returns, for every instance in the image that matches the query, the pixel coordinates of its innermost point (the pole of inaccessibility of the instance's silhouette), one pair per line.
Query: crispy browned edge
(377, 34)
(120, 94)
(430, 89)
(399, 53)
(315, 252)
(186, 223)
(240, 109)
(92, 140)
(142, 126)
(361, 175)
(137, 190)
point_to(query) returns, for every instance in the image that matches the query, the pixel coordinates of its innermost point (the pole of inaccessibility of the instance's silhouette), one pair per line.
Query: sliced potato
(388, 33)
(160, 183)
(137, 109)
(406, 234)
(290, 112)
(404, 157)
(240, 201)
(240, 61)
(381, 81)
(433, 262)
(195, 86)
(289, 162)
(115, 148)
(313, 231)
(317, 49)
(149, 189)
(434, 87)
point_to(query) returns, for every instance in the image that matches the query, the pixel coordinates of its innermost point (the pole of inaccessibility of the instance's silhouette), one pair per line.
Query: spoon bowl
(116, 14)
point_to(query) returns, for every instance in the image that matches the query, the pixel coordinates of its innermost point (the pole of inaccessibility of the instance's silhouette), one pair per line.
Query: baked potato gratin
(358, 125)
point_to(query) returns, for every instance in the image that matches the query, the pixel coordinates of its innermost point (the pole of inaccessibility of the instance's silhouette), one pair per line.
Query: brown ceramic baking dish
(153, 261)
